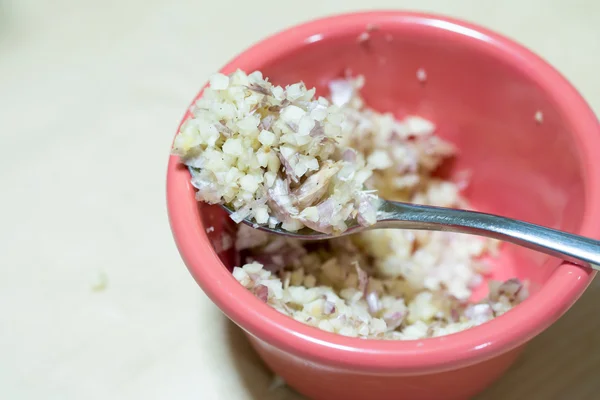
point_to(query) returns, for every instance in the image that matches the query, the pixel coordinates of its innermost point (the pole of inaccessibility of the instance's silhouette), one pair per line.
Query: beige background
(90, 95)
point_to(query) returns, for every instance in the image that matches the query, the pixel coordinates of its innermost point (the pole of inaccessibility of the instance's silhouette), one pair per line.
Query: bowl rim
(468, 347)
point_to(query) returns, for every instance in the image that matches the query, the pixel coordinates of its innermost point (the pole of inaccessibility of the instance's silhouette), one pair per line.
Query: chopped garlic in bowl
(383, 284)
(353, 312)
(280, 155)
(273, 155)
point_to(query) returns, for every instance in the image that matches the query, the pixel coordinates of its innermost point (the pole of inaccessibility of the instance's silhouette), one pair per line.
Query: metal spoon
(567, 246)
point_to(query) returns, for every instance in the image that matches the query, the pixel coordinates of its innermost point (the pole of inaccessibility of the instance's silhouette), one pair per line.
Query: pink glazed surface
(483, 91)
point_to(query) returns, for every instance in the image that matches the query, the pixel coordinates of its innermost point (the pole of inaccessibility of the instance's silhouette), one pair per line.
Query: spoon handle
(573, 248)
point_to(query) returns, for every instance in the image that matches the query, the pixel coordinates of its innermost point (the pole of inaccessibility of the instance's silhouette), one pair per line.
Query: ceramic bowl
(530, 140)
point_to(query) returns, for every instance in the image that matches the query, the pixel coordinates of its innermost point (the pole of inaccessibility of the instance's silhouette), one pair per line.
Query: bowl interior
(485, 105)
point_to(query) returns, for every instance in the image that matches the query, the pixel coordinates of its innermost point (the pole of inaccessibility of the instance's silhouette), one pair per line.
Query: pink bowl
(483, 91)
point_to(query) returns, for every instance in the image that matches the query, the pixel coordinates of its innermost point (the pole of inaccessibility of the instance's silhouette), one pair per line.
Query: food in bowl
(340, 297)
(320, 165)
